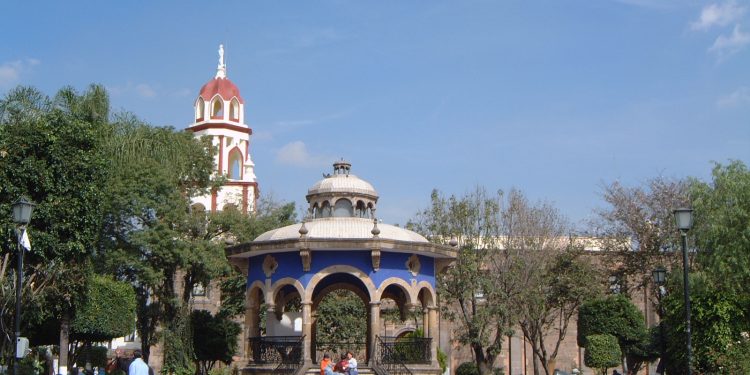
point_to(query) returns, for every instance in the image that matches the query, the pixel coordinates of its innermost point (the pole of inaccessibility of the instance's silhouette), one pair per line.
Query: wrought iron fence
(335, 349)
(276, 349)
(386, 361)
(409, 350)
(292, 361)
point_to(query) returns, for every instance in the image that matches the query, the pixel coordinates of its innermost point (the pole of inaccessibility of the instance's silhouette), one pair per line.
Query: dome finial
(221, 70)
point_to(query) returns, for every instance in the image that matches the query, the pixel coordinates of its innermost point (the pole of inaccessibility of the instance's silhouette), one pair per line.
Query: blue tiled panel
(391, 265)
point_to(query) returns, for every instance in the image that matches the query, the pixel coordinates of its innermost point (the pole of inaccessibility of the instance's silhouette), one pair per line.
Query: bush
(602, 352)
(96, 355)
(442, 359)
(467, 368)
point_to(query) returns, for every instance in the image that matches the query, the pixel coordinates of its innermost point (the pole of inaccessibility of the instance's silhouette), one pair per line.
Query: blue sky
(553, 97)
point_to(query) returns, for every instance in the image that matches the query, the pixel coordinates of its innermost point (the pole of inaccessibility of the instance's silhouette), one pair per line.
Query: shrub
(602, 352)
(467, 368)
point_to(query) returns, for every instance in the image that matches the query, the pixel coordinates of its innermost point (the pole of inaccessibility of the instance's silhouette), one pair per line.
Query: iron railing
(335, 349)
(276, 349)
(409, 350)
(293, 360)
(385, 361)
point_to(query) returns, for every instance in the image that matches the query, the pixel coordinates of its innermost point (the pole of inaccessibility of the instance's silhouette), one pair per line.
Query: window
(235, 165)
(234, 110)
(200, 290)
(217, 109)
(200, 107)
(343, 208)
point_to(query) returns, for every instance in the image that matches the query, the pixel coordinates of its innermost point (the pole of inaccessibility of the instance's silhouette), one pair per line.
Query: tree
(478, 304)
(617, 316)
(51, 152)
(214, 339)
(551, 277)
(341, 319)
(602, 352)
(637, 230)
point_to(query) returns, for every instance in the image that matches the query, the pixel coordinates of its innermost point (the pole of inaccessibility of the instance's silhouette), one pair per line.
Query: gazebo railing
(292, 361)
(409, 350)
(275, 349)
(386, 361)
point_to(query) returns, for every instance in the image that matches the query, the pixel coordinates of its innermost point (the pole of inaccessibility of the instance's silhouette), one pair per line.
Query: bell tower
(220, 115)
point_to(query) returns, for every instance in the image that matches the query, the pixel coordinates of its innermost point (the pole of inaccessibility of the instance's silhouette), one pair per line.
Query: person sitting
(325, 365)
(351, 366)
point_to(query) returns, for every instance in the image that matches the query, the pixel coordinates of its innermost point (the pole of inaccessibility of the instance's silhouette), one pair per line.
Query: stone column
(426, 322)
(433, 329)
(374, 330)
(307, 332)
(252, 319)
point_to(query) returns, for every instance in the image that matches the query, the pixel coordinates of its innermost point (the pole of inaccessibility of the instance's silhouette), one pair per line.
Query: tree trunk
(64, 343)
(551, 366)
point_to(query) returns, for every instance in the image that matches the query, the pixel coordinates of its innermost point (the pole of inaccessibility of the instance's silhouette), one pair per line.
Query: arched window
(234, 110)
(200, 108)
(217, 108)
(315, 211)
(343, 208)
(235, 165)
(361, 211)
(325, 211)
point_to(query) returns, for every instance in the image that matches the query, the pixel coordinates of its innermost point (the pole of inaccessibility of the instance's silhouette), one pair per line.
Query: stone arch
(326, 209)
(343, 208)
(320, 275)
(409, 291)
(425, 294)
(279, 284)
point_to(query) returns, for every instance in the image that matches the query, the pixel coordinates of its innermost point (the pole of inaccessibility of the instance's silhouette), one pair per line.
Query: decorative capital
(413, 265)
(306, 258)
(375, 255)
(269, 265)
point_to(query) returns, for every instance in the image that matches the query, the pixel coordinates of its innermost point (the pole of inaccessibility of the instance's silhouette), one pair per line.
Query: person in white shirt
(351, 368)
(138, 367)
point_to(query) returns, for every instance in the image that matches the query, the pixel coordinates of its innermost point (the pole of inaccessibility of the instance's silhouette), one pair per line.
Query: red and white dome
(222, 86)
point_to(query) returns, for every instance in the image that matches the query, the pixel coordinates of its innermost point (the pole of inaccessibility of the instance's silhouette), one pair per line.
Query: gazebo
(339, 245)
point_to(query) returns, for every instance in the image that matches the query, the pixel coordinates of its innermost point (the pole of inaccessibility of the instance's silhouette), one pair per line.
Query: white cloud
(727, 45)
(10, 72)
(296, 154)
(739, 97)
(145, 90)
(718, 15)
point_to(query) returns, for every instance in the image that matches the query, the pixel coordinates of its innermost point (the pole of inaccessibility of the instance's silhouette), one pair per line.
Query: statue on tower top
(221, 70)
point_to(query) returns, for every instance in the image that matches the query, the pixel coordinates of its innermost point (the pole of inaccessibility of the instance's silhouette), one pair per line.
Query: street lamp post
(660, 277)
(684, 219)
(22, 210)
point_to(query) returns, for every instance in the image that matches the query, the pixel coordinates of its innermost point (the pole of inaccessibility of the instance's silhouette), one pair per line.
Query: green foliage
(108, 310)
(214, 339)
(442, 360)
(51, 152)
(617, 316)
(178, 345)
(602, 352)
(467, 368)
(96, 355)
(341, 318)
(722, 226)
(717, 322)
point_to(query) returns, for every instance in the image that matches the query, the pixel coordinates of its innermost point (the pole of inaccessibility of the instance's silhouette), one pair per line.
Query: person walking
(138, 367)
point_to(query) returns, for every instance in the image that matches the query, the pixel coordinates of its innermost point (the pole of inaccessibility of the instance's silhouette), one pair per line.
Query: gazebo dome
(350, 228)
